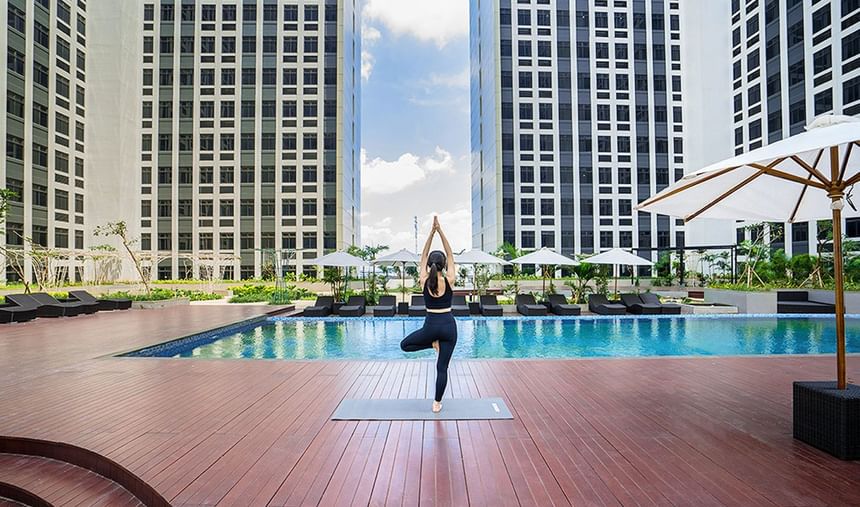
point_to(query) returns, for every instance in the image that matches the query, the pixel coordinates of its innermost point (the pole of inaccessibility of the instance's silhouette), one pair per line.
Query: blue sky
(415, 120)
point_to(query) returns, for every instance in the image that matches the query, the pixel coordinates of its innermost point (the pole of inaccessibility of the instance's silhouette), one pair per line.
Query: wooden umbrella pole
(836, 207)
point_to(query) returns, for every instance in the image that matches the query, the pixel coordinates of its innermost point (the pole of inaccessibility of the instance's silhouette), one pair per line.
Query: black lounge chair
(108, 304)
(597, 303)
(49, 309)
(44, 298)
(792, 301)
(635, 305)
(11, 312)
(490, 306)
(558, 305)
(354, 307)
(416, 307)
(387, 307)
(459, 306)
(665, 308)
(527, 305)
(321, 308)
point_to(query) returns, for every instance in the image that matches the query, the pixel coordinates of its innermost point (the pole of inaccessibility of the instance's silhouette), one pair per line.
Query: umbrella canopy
(617, 256)
(803, 177)
(787, 181)
(401, 256)
(479, 257)
(340, 259)
(545, 256)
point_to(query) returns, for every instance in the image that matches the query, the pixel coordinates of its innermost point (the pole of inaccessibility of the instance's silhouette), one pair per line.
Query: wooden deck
(706, 431)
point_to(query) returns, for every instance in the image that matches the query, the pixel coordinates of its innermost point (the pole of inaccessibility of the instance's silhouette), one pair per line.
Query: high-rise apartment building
(792, 60)
(217, 129)
(44, 114)
(249, 132)
(577, 115)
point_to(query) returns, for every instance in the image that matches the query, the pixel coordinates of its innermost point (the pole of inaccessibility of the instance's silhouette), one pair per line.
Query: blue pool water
(372, 338)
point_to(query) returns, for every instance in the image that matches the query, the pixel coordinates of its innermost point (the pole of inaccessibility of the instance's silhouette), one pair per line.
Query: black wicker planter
(828, 418)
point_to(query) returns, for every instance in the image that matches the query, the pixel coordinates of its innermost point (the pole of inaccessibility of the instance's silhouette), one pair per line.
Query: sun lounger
(527, 305)
(597, 303)
(46, 309)
(490, 306)
(665, 308)
(635, 305)
(416, 307)
(354, 307)
(11, 312)
(321, 308)
(387, 307)
(103, 304)
(559, 305)
(459, 306)
(46, 299)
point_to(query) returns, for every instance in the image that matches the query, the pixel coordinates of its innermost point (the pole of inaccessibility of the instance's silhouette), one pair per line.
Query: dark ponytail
(435, 263)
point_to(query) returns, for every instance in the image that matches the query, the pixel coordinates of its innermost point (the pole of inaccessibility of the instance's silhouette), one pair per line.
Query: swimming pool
(520, 337)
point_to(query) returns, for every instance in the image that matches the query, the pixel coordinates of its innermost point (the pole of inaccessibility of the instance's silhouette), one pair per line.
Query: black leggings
(437, 326)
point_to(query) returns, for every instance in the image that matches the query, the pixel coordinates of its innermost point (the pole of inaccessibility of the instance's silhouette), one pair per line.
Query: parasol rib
(799, 200)
(776, 173)
(724, 196)
(845, 161)
(658, 198)
(810, 169)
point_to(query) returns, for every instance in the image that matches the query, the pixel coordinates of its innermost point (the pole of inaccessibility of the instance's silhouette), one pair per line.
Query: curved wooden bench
(83, 459)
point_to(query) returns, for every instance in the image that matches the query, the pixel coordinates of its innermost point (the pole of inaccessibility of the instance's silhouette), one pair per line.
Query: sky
(415, 121)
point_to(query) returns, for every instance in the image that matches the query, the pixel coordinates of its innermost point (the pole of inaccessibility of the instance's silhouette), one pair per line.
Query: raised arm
(451, 273)
(422, 265)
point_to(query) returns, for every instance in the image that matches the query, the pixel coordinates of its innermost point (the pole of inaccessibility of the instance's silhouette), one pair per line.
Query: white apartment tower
(44, 113)
(792, 60)
(577, 115)
(250, 133)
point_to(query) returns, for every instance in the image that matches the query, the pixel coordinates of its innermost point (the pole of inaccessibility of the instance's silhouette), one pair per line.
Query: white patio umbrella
(340, 259)
(804, 177)
(474, 257)
(617, 257)
(545, 258)
(402, 257)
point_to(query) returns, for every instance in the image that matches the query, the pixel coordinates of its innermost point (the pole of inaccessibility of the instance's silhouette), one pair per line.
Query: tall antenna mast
(415, 229)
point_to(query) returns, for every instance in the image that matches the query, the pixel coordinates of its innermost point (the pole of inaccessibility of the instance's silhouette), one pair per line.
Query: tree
(509, 252)
(120, 230)
(369, 253)
(580, 285)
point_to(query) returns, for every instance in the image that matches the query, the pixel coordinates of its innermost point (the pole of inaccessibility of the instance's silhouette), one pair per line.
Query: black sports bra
(438, 303)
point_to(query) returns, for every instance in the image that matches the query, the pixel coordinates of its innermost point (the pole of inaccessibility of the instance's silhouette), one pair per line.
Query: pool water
(379, 338)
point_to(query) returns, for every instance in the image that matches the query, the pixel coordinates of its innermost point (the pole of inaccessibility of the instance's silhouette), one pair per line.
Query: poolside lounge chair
(11, 312)
(665, 308)
(459, 306)
(559, 306)
(44, 298)
(527, 305)
(387, 307)
(55, 309)
(490, 306)
(322, 307)
(354, 307)
(104, 304)
(597, 303)
(416, 307)
(635, 305)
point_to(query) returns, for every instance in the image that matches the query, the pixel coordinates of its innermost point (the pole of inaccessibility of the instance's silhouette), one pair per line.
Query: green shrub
(252, 293)
(159, 294)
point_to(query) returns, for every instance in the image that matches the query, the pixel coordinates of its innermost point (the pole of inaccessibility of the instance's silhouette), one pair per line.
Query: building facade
(792, 61)
(577, 115)
(44, 113)
(250, 132)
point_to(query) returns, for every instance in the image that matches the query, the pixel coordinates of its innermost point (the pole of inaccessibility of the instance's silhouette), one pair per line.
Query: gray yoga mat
(419, 410)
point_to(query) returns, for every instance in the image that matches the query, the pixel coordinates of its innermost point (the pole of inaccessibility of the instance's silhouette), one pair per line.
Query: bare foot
(437, 407)
(435, 345)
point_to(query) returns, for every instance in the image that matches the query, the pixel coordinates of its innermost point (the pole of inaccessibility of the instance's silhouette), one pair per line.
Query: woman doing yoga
(437, 275)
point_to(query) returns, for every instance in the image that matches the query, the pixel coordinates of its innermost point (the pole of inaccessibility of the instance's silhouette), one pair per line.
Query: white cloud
(444, 190)
(369, 37)
(457, 80)
(439, 21)
(380, 176)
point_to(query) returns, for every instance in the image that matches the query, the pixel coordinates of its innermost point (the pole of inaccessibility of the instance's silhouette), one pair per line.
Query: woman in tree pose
(437, 275)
